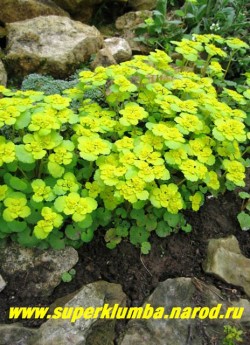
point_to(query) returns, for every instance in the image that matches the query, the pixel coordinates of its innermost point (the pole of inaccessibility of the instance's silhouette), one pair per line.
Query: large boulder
(16, 10)
(49, 45)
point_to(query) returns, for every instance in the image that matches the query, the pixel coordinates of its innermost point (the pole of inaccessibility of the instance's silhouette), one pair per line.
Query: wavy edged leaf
(23, 120)
(55, 169)
(23, 155)
(87, 235)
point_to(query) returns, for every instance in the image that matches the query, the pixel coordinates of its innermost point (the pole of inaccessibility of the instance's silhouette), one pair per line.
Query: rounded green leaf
(72, 232)
(145, 248)
(163, 229)
(87, 235)
(16, 226)
(23, 155)
(18, 184)
(244, 220)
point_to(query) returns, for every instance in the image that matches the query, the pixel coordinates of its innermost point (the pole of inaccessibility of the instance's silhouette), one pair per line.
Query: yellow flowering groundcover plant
(161, 137)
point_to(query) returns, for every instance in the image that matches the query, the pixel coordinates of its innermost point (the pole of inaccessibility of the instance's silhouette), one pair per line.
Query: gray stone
(83, 331)
(41, 269)
(243, 303)
(49, 45)
(131, 20)
(119, 48)
(2, 283)
(15, 334)
(224, 260)
(103, 58)
(3, 74)
(181, 292)
(127, 25)
(16, 10)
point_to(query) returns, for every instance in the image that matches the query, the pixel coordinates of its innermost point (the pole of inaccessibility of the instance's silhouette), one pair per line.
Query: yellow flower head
(91, 147)
(124, 144)
(197, 200)
(132, 114)
(229, 129)
(41, 191)
(15, 207)
(7, 151)
(212, 181)
(188, 123)
(132, 190)
(193, 170)
(73, 204)
(167, 196)
(212, 50)
(235, 172)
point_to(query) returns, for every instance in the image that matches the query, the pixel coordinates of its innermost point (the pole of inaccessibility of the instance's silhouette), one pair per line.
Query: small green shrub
(233, 335)
(157, 31)
(160, 139)
(224, 17)
(67, 277)
(46, 84)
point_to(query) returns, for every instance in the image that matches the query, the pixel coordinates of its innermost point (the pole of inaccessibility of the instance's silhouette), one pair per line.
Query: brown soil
(179, 255)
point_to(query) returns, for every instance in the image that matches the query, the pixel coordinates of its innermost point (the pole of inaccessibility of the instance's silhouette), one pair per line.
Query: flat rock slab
(225, 261)
(82, 331)
(41, 269)
(181, 292)
(52, 45)
(63, 331)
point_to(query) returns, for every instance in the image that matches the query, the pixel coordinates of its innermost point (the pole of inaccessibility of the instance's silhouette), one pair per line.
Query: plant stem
(24, 175)
(179, 183)
(40, 169)
(206, 65)
(229, 63)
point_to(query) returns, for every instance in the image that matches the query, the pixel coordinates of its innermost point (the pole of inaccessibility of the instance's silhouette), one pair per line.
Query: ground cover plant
(155, 137)
(223, 17)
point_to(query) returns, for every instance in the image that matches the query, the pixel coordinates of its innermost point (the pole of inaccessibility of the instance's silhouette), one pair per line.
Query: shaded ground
(179, 255)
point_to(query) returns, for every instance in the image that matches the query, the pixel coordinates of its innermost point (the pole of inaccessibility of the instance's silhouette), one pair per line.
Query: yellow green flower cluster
(160, 136)
(75, 205)
(16, 206)
(167, 196)
(7, 151)
(50, 220)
